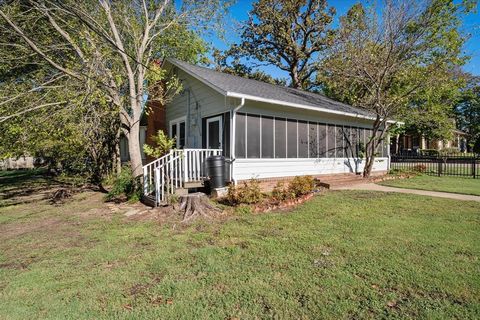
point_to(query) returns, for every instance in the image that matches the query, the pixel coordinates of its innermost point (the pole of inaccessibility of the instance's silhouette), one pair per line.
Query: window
(280, 138)
(302, 139)
(292, 138)
(339, 142)
(267, 137)
(312, 140)
(178, 131)
(253, 136)
(322, 140)
(331, 145)
(240, 135)
(347, 142)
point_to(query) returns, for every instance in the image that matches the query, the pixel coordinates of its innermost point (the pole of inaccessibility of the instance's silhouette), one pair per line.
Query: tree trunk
(117, 160)
(370, 156)
(196, 205)
(134, 149)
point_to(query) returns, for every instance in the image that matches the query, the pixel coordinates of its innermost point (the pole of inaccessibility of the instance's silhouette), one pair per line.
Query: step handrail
(171, 171)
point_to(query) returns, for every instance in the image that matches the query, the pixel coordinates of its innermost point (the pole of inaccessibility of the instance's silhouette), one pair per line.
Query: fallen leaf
(392, 304)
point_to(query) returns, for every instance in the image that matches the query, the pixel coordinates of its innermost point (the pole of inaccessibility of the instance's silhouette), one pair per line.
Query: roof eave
(301, 106)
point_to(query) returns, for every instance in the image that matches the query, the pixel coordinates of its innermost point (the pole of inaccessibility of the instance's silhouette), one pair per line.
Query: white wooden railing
(194, 164)
(168, 173)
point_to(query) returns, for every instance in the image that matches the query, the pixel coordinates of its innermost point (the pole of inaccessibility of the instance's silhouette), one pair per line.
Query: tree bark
(196, 205)
(134, 149)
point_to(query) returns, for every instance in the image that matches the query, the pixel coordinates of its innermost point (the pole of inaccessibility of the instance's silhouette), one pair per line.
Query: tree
(431, 109)
(237, 68)
(468, 112)
(383, 62)
(111, 46)
(289, 34)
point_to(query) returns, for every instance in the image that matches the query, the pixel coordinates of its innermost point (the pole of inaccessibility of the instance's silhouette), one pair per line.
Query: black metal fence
(466, 165)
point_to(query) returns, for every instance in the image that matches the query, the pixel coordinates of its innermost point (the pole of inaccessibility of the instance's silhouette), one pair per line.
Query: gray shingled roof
(230, 83)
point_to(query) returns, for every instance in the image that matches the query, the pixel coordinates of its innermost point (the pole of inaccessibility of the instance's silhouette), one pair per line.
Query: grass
(461, 185)
(345, 254)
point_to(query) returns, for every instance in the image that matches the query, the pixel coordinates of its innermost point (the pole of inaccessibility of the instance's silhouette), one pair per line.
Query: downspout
(233, 134)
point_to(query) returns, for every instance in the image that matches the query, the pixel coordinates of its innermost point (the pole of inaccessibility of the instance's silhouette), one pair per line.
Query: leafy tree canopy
(390, 63)
(289, 34)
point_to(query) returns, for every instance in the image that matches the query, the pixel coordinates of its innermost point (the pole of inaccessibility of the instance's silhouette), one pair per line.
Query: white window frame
(177, 122)
(220, 128)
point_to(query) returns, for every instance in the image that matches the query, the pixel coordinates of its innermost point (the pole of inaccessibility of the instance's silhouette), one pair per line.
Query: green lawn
(345, 254)
(446, 184)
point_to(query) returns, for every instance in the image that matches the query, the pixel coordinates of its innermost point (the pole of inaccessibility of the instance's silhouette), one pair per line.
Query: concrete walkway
(376, 187)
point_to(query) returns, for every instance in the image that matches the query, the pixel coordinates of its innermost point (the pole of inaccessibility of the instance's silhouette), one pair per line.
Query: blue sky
(239, 12)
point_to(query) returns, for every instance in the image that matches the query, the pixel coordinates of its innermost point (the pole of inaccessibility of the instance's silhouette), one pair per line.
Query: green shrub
(280, 192)
(301, 186)
(162, 145)
(125, 185)
(248, 193)
(449, 151)
(428, 152)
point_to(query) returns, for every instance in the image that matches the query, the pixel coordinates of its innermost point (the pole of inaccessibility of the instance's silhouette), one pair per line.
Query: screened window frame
(360, 133)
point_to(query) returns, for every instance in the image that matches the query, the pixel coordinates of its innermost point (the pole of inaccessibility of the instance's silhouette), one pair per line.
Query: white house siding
(204, 102)
(275, 168)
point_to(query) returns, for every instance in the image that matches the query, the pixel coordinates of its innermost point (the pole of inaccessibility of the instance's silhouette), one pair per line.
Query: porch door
(214, 133)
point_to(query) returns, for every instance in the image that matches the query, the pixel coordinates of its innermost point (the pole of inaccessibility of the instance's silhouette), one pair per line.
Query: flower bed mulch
(272, 205)
(405, 175)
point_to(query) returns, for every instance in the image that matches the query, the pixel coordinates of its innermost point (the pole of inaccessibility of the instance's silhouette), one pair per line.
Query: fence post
(440, 167)
(474, 169)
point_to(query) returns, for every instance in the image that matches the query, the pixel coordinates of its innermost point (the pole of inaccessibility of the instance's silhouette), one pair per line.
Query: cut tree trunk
(196, 205)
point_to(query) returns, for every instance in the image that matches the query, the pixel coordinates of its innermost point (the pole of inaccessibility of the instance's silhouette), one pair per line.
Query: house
(414, 143)
(264, 131)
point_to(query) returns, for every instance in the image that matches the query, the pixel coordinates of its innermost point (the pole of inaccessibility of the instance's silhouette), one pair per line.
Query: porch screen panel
(312, 140)
(361, 142)
(331, 132)
(322, 141)
(267, 137)
(240, 127)
(253, 136)
(378, 149)
(368, 136)
(291, 138)
(340, 152)
(302, 139)
(226, 134)
(354, 133)
(280, 138)
(347, 142)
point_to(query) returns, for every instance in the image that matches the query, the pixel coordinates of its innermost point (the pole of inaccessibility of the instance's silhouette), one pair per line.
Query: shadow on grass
(27, 186)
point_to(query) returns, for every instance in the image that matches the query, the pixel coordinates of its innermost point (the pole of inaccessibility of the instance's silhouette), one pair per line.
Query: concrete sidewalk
(376, 187)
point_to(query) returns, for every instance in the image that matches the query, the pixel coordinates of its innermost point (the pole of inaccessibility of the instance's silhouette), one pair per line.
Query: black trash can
(216, 171)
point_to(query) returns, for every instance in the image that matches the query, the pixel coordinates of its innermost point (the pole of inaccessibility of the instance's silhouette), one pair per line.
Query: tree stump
(196, 205)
